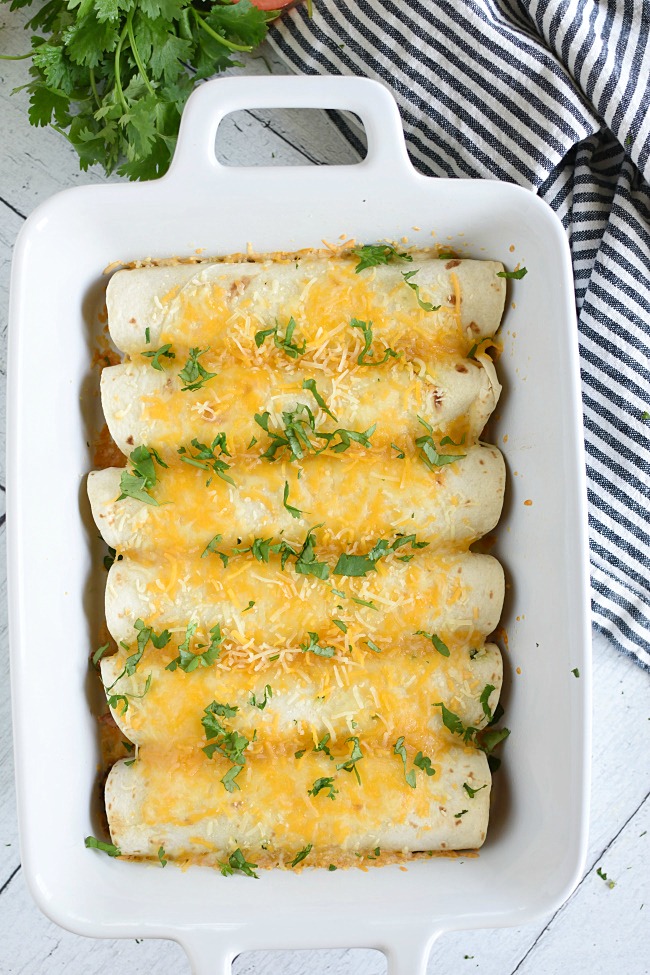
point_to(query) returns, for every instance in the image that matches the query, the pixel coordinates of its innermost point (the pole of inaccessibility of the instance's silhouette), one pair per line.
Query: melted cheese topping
(308, 678)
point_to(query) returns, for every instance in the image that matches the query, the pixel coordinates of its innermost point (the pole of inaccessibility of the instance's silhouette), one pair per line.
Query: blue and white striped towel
(553, 95)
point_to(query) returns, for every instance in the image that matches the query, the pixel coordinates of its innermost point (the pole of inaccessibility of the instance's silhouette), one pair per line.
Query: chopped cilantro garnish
(251, 603)
(441, 647)
(343, 627)
(399, 749)
(364, 602)
(162, 352)
(603, 876)
(454, 724)
(230, 744)
(426, 305)
(161, 856)
(142, 477)
(94, 844)
(189, 660)
(400, 452)
(461, 813)
(360, 565)
(325, 782)
(193, 373)
(111, 557)
(351, 764)
(332, 867)
(314, 647)
(514, 275)
(489, 739)
(299, 427)
(147, 335)
(261, 704)
(322, 746)
(472, 792)
(238, 862)
(299, 857)
(372, 255)
(211, 547)
(420, 761)
(206, 459)
(306, 562)
(99, 653)
(300, 753)
(575, 671)
(373, 646)
(310, 384)
(292, 349)
(366, 329)
(429, 453)
(294, 512)
(483, 700)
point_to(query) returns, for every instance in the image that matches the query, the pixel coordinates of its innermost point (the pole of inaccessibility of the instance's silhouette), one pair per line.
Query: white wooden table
(599, 927)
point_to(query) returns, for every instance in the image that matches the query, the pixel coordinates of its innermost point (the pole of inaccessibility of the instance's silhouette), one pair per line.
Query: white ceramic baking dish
(536, 844)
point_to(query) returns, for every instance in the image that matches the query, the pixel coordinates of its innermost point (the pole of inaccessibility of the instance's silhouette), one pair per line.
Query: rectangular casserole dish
(536, 844)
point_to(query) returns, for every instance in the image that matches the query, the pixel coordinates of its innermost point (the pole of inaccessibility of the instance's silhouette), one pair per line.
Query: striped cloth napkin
(553, 95)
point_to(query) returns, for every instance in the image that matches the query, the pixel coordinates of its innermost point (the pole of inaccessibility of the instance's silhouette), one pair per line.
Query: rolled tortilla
(301, 697)
(144, 405)
(453, 505)
(457, 597)
(225, 305)
(176, 800)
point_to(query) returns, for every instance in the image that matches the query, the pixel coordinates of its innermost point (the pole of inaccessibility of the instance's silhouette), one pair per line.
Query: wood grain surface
(604, 925)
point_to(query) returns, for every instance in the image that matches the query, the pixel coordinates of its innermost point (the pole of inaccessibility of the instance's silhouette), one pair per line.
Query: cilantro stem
(222, 40)
(93, 85)
(15, 57)
(118, 82)
(136, 54)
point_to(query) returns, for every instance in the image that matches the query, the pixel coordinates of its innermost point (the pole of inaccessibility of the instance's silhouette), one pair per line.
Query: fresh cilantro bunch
(113, 75)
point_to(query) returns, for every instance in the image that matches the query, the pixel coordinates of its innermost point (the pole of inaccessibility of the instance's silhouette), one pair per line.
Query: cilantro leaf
(161, 856)
(322, 784)
(483, 700)
(472, 792)
(237, 862)
(211, 547)
(92, 843)
(189, 660)
(314, 647)
(399, 749)
(193, 374)
(286, 345)
(366, 329)
(513, 275)
(454, 724)
(426, 305)
(429, 452)
(351, 764)
(206, 459)
(310, 384)
(137, 483)
(372, 255)
(261, 704)
(294, 512)
(441, 647)
(300, 856)
(155, 357)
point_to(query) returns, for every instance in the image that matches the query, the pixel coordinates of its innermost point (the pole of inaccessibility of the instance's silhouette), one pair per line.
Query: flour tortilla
(459, 597)
(154, 298)
(455, 505)
(145, 406)
(161, 802)
(387, 694)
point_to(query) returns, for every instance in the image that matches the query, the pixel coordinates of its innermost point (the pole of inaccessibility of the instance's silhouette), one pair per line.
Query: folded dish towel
(553, 95)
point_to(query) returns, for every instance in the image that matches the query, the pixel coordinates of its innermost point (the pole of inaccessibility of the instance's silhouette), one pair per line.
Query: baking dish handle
(211, 102)
(407, 954)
